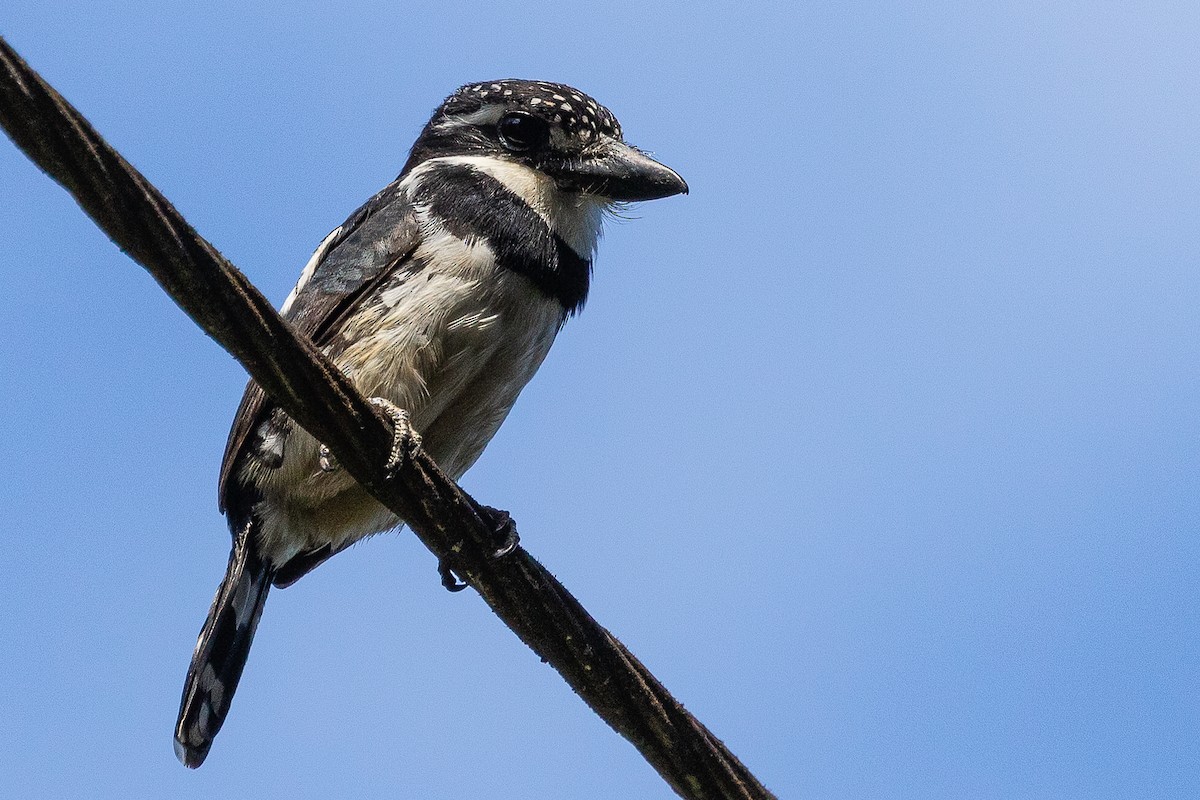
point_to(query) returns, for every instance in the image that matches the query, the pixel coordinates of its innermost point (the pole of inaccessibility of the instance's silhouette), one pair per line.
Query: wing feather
(362, 252)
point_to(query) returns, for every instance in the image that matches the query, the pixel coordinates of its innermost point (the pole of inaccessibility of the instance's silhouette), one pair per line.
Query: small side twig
(310, 388)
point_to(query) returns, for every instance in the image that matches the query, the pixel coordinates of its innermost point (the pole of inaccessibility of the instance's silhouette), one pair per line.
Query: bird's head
(554, 129)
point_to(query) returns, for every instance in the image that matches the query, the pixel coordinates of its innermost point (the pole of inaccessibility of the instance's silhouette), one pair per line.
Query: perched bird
(441, 296)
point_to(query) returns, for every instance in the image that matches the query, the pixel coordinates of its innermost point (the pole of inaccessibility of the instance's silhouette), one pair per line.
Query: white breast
(431, 335)
(454, 342)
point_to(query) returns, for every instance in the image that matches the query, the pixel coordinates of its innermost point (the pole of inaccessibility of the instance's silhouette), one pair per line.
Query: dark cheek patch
(471, 204)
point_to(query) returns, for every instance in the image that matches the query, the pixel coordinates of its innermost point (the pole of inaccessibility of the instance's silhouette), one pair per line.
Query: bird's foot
(506, 539)
(450, 581)
(504, 529)
(327, 460)
(405, 439)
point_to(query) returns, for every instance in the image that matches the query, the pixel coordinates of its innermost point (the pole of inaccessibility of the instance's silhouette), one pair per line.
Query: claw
(504, 532)
(504, 529)
(449, 580)
(404, 436)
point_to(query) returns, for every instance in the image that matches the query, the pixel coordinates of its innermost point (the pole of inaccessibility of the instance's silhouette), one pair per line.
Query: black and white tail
(221, 650)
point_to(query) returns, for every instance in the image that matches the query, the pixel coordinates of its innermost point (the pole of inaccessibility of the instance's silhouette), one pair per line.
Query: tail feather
(221, 650)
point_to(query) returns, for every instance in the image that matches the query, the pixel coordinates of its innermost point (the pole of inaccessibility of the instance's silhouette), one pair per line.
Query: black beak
(620, 172)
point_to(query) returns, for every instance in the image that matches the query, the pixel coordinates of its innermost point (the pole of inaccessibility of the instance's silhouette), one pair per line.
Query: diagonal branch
(318, 396)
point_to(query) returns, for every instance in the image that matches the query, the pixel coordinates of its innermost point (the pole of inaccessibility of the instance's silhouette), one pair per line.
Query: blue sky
(880, 449)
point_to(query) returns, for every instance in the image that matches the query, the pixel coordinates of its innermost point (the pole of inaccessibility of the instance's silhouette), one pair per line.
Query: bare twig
(316, 394)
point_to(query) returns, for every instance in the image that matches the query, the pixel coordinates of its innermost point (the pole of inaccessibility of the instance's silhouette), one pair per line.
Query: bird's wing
(352, 260)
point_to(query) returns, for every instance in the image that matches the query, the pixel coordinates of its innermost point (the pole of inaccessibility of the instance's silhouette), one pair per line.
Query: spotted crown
(562, 105)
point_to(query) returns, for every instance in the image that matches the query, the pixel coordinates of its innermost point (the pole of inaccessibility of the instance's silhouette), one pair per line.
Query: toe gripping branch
(405, 443)
(405, 439)
(505, 537)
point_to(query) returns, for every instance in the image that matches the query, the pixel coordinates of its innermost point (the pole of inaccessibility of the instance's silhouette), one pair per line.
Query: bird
(439, 298)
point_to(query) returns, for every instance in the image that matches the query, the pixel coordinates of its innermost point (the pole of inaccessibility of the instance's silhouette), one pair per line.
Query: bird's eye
(520, 131)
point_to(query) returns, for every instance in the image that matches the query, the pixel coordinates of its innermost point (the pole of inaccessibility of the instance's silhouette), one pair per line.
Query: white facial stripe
(488, 115)
(525, 182)
(574, 217)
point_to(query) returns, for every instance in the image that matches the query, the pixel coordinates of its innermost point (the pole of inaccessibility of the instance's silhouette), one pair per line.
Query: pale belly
(458, 375)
